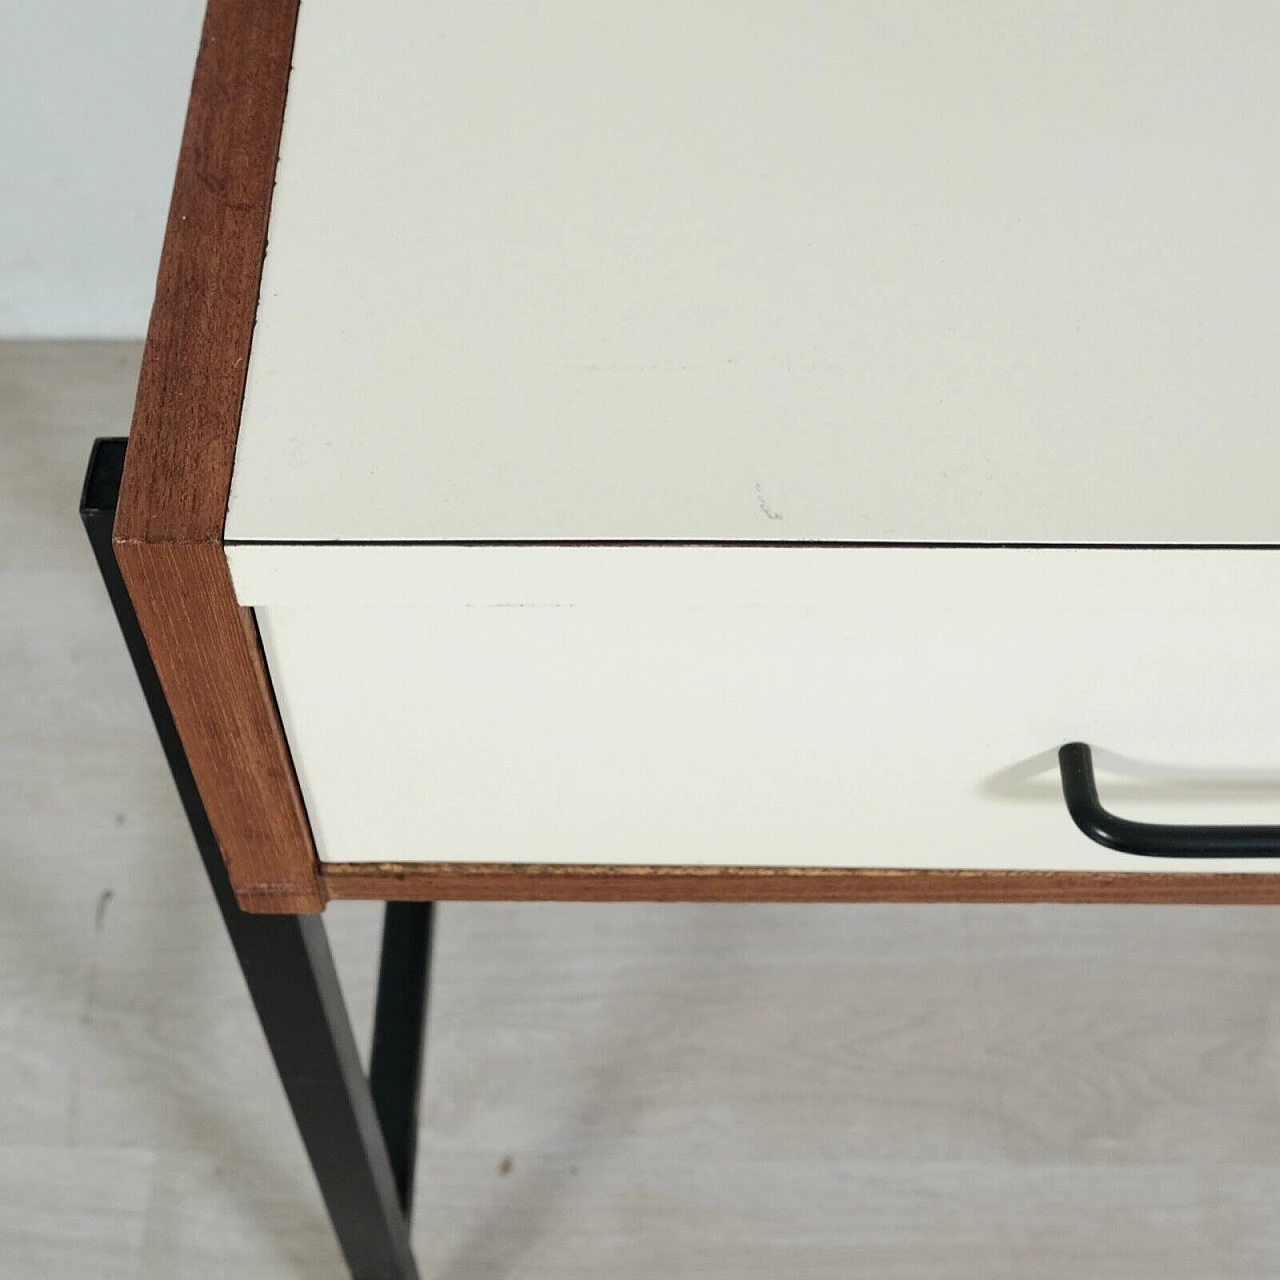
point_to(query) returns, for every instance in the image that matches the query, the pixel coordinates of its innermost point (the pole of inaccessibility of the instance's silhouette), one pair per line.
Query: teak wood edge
(436, 882)
(177, 477)
(168, 539)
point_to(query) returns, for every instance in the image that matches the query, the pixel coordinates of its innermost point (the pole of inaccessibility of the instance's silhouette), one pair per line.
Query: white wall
(92, 97)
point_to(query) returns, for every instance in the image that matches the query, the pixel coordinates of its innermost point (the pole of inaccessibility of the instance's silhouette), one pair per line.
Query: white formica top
(906, 270)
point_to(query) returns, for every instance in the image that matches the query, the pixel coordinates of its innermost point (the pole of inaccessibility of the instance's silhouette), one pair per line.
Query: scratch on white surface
(764, 506)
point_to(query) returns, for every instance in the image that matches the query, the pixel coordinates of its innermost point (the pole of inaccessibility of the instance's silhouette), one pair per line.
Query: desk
(719, 453)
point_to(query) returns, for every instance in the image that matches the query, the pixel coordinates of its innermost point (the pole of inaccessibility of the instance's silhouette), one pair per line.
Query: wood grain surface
(173, 500)
(405, 882)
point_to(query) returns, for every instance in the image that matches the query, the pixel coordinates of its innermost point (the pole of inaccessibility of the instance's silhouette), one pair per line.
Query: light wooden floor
(737, 1093)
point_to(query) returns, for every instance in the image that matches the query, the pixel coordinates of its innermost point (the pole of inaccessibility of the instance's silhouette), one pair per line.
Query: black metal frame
(360, 1133)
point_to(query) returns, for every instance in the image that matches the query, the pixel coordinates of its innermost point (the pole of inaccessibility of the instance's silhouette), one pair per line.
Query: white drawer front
(852, 707)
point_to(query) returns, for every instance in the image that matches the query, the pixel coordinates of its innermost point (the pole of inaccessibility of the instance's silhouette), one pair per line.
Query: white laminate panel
(898, 270)
(1008, 579)
(873, 707)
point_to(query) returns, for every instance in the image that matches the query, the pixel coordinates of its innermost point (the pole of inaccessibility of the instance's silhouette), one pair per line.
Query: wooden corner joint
(211, 665)
(177, 478)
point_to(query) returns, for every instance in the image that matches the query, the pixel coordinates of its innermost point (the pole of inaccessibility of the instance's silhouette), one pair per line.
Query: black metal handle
(1149, 838)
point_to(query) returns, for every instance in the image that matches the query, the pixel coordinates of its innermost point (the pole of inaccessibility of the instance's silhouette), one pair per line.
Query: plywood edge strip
(177, 478)
(428, 882)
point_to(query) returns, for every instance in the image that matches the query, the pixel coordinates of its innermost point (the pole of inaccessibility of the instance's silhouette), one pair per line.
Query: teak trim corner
(177, 478)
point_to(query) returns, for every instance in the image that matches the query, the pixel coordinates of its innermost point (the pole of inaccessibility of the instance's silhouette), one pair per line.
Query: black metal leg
(399, 1024)
(291, 977)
